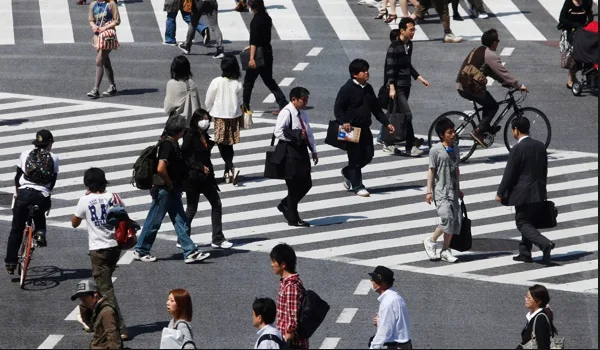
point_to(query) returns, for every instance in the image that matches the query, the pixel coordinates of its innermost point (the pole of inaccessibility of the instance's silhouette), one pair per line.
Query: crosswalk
(63, 22)
(387, 228)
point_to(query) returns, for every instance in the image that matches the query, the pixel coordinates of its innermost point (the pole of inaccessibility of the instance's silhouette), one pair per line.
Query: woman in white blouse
(223, 101)
(182, 94)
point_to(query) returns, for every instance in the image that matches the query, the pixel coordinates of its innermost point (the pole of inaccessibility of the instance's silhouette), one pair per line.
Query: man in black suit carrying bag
(524, 186)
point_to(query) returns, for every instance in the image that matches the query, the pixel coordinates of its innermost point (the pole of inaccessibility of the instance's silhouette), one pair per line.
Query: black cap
(382, 273)
(43, 138)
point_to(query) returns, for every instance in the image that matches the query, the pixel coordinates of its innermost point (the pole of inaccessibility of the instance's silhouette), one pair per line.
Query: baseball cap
(84, 287)
(43, 138)
(382, 273)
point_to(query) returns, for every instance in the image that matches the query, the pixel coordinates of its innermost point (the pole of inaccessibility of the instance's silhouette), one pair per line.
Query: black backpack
(282, 343)
(144, 167)
(39, 167)
(312, 313)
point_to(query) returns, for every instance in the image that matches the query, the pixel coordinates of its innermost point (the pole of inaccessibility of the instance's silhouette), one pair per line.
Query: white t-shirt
(94, 208)
(26, 184)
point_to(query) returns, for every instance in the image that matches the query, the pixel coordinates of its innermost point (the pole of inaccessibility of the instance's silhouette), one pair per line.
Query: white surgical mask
(204, 124)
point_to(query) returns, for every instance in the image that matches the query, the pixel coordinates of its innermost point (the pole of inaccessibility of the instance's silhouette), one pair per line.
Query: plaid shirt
(289, 300)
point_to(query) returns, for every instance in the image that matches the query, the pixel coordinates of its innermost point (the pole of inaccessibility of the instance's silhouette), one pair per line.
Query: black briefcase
(546, 217)
(332, 135)
(464, 240)
(273, 170)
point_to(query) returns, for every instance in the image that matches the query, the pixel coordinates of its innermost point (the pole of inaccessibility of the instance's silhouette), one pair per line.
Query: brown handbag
(471, 78)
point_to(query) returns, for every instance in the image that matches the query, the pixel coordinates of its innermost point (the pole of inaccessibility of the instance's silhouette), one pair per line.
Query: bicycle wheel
(540, 126)
(25, 255)
(464, 141)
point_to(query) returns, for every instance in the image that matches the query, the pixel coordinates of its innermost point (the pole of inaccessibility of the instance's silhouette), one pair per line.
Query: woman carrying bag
(539, 331)
(178, 334)
(182, 95)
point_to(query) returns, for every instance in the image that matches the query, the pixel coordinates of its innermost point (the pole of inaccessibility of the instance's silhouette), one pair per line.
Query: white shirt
(359, 84)
(530, 315)
(283, 121)
(268, 344)
(45, 189)
(522, 138)
(393, 323)
(223, 98)
(94, 208)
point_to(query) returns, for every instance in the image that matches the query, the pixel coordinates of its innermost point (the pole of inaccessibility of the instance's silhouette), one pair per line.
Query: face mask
(204, 124)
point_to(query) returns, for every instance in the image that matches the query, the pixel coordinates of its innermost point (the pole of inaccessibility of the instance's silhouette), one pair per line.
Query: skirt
(227, 131)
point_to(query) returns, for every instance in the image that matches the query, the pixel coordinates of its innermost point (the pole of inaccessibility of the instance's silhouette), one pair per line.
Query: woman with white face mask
(200, 179)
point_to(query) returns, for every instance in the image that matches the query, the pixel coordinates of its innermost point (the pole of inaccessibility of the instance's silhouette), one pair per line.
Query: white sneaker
(447, 256)
(363, 192)
(416, 152)
(389, 149)
(451, 38)
(430, 249)
(483, 15)
(224, 245)
(85, 326)
(347, 183)
(196, 256)
(144, 258)
(178, 245)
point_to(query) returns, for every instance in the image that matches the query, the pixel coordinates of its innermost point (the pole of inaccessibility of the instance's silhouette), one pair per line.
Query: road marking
(315, 51)
(286, 20)
(231, 22)
(553, 7)
(507, 51)
(343, 20)
(554, 271)
(269, 99)
(347, 315)
(126, 259)
(514, 20)
(363, 288)
(329, 343)
(584, 285)
(56, 21)
(124, 33)
(467, 28)
(51, 341)
(7, 30)
(161, 19)
(286, 81)
(301, 66)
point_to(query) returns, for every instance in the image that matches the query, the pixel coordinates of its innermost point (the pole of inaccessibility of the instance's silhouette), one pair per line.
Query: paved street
(46, 73)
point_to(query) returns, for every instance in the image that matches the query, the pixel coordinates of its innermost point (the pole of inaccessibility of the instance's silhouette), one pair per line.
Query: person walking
(475, 9)
(524, 186)
(383, 12)
(540, 318)
(179, 306)
(223, 100)
(441, 7)
(172, 8)
(354, 104)
(295, 135)
(392, 320)
(182, 95)
(103, 17)
(260, 46)
(574, 14)
(210, 9)
(264, 311)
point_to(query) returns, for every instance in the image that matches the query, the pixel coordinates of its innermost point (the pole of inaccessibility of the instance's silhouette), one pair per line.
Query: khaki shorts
(450, 215)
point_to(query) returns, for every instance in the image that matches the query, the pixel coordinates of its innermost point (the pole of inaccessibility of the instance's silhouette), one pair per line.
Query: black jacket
(398, 64)
(569, 19)
(543, 331)
(355, 104)
(196, 157)
(525, 175)
(293, 154)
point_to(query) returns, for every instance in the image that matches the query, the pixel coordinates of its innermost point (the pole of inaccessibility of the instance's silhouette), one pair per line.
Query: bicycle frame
(511, 103)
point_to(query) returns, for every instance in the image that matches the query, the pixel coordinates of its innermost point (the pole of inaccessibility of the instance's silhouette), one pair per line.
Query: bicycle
(466, 123)
(28, 245)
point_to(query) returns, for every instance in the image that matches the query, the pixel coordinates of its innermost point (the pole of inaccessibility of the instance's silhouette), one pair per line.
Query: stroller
(585, 55)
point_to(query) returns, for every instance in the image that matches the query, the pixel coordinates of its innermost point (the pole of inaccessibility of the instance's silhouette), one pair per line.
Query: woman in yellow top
(103, 16)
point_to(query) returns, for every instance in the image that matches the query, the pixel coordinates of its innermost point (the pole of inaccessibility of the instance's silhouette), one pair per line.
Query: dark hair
(443, 125)
(489, 37)
(95, 180)
(180, 68)
(404, 23)
(196, 117)
(394, 34)
(265, 308)
(299, 92)
(541, 296)
(258, 5)
(357, 66)
(230, 67)
(283, 253)
(522, 124)
(175, 124)
(184, 305)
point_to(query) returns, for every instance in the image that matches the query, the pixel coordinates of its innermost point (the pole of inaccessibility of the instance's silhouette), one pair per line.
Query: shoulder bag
(464, 240)
(172, 338)
(555, 342)
(274, 170)
(471, 78)
(107, 40)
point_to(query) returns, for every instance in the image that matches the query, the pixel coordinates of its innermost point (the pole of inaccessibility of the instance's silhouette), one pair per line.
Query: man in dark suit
(524, 186)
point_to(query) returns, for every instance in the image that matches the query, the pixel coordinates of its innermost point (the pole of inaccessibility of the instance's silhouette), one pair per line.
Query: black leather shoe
(546, 257)
(299, 223)
(525, 259)
(282, 208)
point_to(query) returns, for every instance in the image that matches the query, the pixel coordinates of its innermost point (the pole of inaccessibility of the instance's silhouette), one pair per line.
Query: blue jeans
(163, 203)
(172, 25)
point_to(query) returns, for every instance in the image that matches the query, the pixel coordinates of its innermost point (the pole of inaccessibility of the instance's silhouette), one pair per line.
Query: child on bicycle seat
(35, 178)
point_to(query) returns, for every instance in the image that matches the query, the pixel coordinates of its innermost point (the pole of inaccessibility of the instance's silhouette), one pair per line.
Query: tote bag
(555, 342)
(172, 338)
(400, 121)
(464, 240)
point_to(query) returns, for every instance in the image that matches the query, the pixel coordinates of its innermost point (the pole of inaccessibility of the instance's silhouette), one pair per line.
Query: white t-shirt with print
(94, 208)
(26, 184)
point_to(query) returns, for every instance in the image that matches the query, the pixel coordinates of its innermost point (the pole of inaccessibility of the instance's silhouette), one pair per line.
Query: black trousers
(266, 74)
(227, 155)
(212, 195)
(524, 218)
(297, 189)
(489, 104)
(359, 155)
(25, 198)
(402, 94)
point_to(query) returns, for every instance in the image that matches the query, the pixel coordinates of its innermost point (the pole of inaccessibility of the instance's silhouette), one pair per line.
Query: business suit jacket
(543, 331)
(525, 175)
(293, 155)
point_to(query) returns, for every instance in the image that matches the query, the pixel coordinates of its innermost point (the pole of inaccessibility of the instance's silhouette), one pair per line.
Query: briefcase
(464, 240)
(273, 170)
(546, 217)
(259, 58)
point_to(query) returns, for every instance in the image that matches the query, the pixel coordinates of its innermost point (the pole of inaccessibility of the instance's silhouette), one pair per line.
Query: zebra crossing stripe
(232, 23)
(467, 28)
(539, 274)
(287, 22)
(514, 20)
(342, 20)
(161, 20)
(7, 30)
(56, 22)
(124, 33)
(570, 233)
(24, 104)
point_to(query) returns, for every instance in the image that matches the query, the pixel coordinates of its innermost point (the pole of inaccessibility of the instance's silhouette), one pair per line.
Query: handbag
(464, 240)
(272, 169)
(332, 135)
(400, 121)
(247, 122)
(259, 58)
(107, 40)
(555, 342)
(172, 338)
(546, 217)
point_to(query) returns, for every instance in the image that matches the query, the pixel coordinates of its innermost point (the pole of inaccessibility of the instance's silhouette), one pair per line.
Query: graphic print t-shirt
(94, 208)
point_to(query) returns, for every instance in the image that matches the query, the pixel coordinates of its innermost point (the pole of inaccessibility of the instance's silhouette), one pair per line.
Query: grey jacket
(172, 5)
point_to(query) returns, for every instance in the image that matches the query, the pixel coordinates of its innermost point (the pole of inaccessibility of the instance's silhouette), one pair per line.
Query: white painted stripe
(467, 28)
(419, 32)
(7, 30)
(568, 233)
(553, 7)
(269, 99)
(538, 274)
(342, 20)
(583, 285)
(363, 288)
(507, 51)
(124, 33)
(161, 19)
(232, 23)
(56, 21)
(73, 315)
(51, 341)
(315, 51)
(286, 81)
(48, 111)
(286, 20)
(301, 66)
(329, 343)
(126, 259)
(24, 104)
(514, 20)
(346, 315)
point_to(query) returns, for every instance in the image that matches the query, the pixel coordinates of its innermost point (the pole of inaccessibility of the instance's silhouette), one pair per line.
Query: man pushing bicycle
(35, 178)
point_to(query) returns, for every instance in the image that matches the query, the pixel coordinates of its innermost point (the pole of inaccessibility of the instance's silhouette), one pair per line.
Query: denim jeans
(172, 25)
(163, 203)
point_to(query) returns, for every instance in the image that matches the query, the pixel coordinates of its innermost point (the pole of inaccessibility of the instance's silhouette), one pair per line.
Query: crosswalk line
(46, 112)
(553, 7)
(343, 20)
(161, 20)
(539, 274)
(287, 22)
(579, 286)
(231, 22)
(467, 28)
(56, 22)
(7, 30)
(514, 20)
(24, 104)
(124, 33)
(570, 233)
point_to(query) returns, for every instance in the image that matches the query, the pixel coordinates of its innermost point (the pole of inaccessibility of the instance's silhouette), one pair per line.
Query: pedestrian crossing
(387, 228)
(144, 21)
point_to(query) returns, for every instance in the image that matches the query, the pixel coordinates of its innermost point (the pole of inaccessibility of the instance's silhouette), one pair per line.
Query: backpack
(313, 310)
(282, 343)
(471, 78)
(39, 167)
(144, 167)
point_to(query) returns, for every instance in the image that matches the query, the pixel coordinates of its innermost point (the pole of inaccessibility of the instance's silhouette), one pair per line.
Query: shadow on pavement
(146, 328)
(131, 92)
(12, 122)
(41, 278)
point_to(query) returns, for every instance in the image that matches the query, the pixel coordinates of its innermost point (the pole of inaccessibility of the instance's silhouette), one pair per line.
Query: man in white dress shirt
(392, 320)
(264, 311)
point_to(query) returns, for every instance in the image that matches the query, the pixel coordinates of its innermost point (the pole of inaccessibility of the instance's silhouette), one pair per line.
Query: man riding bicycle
(485, 61)
(35, 178)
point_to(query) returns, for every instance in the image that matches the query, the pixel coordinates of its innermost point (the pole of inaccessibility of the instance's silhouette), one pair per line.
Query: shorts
(450, 215)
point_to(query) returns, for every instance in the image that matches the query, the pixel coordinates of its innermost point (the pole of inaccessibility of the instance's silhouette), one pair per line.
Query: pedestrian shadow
(389, 189)
(132, 92)
(41, 278)
(334, 220)
(216, 253)
(12, 122)
(134, 331)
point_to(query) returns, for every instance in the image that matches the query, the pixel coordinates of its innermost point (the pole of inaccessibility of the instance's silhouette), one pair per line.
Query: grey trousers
(210, 9)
